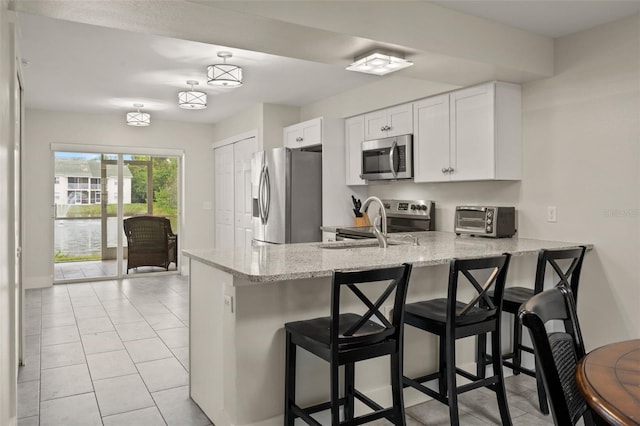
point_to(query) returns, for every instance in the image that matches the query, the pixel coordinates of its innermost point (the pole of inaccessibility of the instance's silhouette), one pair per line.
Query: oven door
(471, 220)
(389, 158)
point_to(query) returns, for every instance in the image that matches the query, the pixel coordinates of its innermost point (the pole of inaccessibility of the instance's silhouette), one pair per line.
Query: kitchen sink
(344, 245)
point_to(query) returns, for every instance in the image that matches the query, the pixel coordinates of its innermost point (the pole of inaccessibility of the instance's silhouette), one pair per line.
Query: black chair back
(568, 276)
(359, 333)
(557, 352)
(471, 269)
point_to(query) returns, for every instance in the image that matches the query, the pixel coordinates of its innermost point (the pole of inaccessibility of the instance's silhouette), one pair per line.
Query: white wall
(242, 122)
(277, 117)
(388, 91)
(46, 127)
(581, 153)
(8, 360)
(267, 119)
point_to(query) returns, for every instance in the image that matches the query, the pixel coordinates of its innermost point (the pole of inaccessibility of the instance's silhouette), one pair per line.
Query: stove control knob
(489, 213)
(413, 207)
(423, 207)
(489, 221)
(489, 228)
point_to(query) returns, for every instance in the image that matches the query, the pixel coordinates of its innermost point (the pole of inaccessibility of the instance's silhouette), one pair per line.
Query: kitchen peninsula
(240, 299)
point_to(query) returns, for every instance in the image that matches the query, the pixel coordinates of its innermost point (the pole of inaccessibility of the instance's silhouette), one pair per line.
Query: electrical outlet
(552, 214)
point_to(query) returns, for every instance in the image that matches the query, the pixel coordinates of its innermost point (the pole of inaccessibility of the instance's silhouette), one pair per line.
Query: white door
(472, 138)
(242, 153)
(224, 197)
(431, 140)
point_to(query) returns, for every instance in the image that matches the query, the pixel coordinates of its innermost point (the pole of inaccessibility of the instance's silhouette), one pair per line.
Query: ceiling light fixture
(192, 99)
(225, 75)
(137, 118)
(379, 62)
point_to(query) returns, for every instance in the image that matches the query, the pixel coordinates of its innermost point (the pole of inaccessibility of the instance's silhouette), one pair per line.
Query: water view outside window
(86, 200)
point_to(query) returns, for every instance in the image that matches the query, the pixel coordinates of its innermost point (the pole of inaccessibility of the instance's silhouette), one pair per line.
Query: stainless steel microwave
(494, 222)
(388, 158)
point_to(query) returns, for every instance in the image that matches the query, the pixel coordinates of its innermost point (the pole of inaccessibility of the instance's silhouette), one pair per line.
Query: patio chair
(150, 242)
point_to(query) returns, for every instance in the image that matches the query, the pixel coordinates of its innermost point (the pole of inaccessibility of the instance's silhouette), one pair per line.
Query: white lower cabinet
(469, 134)
(354, 136)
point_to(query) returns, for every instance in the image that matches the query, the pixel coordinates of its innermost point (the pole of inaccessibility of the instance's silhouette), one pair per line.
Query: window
(78, 183)
(77, 197)
(56, 180)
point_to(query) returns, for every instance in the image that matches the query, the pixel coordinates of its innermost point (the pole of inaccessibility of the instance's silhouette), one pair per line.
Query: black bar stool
(344, 339)
(514, 297)
(451, 319)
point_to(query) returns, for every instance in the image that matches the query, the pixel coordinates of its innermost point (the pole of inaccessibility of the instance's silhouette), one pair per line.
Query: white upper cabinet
(389, 122)
(354, 136)
(469, 134)
(431, 139)
(307, 133)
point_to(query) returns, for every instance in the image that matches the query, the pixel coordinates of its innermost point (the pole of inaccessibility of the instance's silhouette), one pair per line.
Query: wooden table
(609, 379)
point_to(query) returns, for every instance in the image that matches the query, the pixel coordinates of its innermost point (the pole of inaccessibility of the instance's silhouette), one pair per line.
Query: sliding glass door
(93, 194)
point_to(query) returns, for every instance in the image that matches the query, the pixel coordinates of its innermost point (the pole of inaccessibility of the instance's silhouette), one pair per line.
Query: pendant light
(137, 118)
(192, 99)
(225, 75)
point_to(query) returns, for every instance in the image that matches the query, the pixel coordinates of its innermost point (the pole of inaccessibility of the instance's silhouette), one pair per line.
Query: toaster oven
(493, 222)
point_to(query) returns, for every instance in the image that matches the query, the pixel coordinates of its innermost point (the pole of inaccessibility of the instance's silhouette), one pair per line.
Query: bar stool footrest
(299, 412)
(416, 384)
(523, 370)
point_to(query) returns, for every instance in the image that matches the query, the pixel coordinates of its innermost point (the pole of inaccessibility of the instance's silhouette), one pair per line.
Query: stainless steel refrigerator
(286, 189)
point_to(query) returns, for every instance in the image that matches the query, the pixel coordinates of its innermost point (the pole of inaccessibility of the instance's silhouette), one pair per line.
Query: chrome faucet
(380, 233)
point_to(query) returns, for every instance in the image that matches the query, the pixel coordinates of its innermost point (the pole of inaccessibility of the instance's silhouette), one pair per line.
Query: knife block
(362, 221)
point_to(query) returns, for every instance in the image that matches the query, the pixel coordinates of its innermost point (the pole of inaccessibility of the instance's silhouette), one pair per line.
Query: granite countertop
(268, 263)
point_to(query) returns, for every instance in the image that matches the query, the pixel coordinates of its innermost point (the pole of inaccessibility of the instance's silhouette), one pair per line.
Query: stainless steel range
(402, 216)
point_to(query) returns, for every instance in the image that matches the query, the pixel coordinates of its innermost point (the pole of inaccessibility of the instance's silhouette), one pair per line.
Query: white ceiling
(550, 18)
(80, 67)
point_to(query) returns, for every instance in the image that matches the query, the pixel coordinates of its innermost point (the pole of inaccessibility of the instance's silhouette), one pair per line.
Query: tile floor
(98, 268)
(115, 353)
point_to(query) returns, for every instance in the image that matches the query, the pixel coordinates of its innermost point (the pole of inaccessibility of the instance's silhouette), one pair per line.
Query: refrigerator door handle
(268, 188)
(260, 196)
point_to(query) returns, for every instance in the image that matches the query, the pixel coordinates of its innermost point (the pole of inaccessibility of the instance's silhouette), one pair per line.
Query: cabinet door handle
(382, 129)
(299, 139)
(444, 170)
(451, 169)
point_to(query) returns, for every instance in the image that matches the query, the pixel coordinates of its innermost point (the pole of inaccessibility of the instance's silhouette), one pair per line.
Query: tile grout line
(129, 354)
(84, 353)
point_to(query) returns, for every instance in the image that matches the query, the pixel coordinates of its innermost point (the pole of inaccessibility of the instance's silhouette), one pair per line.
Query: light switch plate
(552, 214)
(228, 303)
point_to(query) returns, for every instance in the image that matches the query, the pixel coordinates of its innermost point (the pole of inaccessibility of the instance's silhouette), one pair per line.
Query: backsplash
(448, 195)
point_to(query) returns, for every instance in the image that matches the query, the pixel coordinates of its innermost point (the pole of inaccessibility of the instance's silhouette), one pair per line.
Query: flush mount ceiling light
(379, 62)
(225, 75)
(138, 118)
(192, 99)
